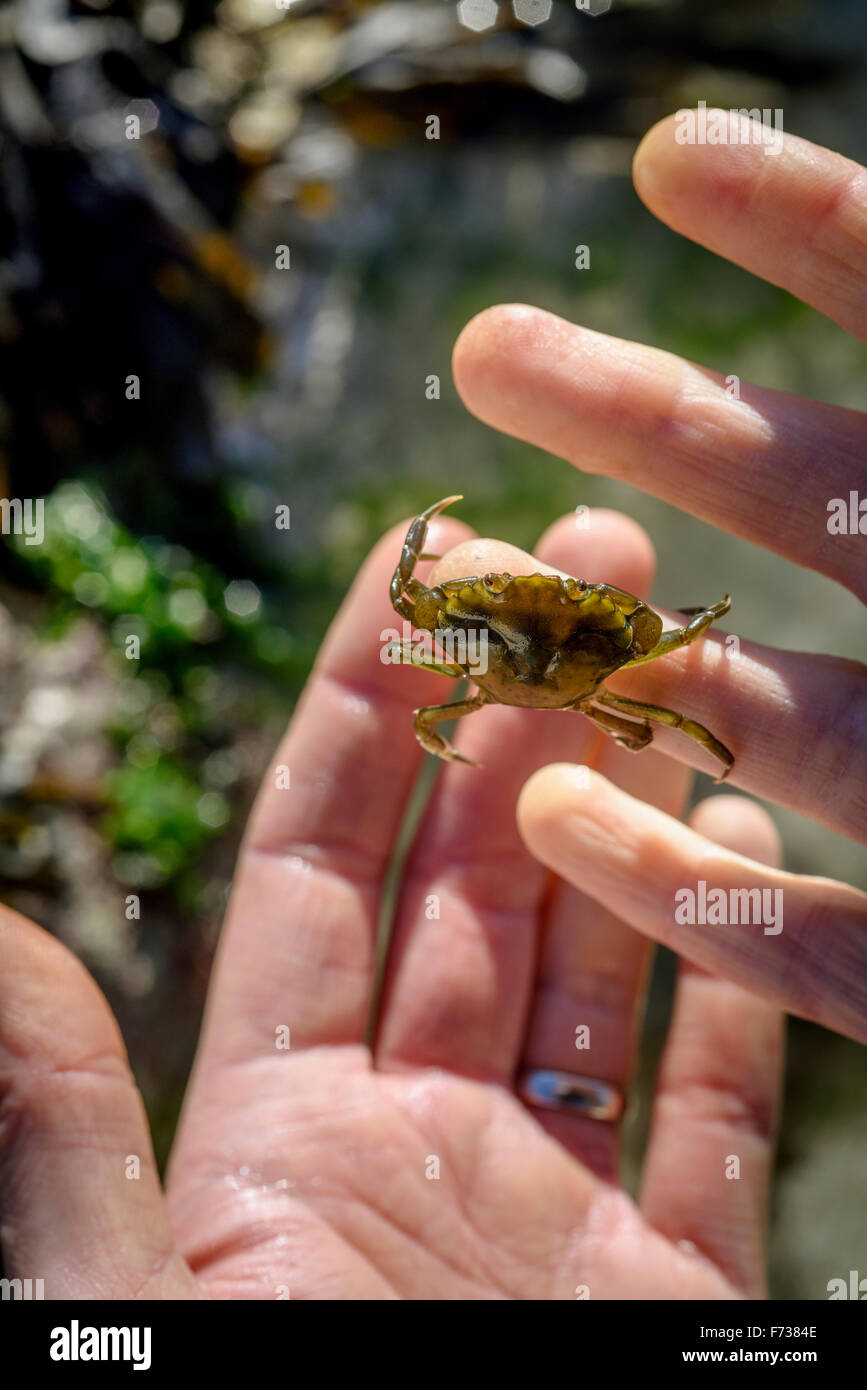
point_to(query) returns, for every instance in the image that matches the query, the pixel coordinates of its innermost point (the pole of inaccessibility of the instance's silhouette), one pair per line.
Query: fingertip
(602, 546)
(550, 799)
(739, 824)
(652, 161)
(690, 182)
(471, 349)
(36, 970)
(482, 555)
(487, 346)
(484, 329)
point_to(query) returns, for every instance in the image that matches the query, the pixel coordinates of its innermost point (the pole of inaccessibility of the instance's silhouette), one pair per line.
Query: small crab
(549, 643)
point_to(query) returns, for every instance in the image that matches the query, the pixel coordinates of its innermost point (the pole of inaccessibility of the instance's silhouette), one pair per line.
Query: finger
(672, 428)
(298, 946)
(80, 1201)
(794, 721)
(807, 952)
(707, 1170)
(463, 948)
(591, 979)
(591, 970)
(796, 217)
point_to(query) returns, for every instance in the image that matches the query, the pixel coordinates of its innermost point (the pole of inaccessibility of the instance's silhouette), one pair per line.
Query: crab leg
(413, 548)
(433, 742)
(624, 731)
(682, 636)
(658, 714)
(402, 655)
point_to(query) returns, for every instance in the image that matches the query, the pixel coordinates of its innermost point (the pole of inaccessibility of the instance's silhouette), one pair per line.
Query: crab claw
(431, 741)
(438, 507)
(434, 743)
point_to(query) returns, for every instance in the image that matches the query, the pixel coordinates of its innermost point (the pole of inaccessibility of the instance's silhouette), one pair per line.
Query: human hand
(765, 468)
(312, 1171)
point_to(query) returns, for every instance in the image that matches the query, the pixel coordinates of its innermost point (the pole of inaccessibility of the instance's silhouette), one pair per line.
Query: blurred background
(236, 204)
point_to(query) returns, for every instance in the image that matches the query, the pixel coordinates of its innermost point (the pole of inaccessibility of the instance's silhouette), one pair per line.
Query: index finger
(298, 946)
(790, 211)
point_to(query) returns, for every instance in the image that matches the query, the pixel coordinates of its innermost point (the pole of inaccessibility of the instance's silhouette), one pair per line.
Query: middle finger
(671, 427)
(463, 953)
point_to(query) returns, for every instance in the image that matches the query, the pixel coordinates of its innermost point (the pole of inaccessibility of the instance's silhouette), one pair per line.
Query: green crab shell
(543, 612)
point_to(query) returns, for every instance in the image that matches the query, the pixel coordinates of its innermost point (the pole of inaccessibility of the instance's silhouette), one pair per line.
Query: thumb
(81, 1205)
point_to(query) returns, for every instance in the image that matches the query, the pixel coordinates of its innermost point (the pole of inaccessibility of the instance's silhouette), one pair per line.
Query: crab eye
(496, 583)
(576, 588)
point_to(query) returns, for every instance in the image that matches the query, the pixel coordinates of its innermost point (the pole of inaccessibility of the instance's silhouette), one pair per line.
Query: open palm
(320, 1170)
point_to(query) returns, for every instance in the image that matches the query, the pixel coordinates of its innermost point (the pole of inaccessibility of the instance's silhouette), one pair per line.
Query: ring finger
(591, 981)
